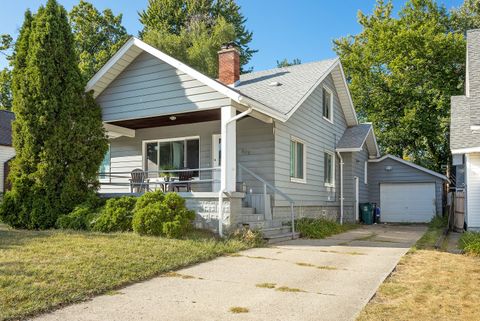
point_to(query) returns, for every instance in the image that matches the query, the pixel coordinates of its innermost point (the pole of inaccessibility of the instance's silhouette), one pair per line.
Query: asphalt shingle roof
(6, 119)
(282, 88)
(354, 136)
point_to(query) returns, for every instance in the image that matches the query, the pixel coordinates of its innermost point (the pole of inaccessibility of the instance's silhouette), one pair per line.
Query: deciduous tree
(401, 73)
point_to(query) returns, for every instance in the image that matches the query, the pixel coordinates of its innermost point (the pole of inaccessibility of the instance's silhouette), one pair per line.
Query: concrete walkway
(329, 279)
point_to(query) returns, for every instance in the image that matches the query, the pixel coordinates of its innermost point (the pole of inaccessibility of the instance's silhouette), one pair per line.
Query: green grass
(320, 228)
(435, 229)
(470, 243)
(41, 270)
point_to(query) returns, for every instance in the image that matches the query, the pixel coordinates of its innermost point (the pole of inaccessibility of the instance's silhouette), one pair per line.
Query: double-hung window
(172, 154)
(297, 161)
(327, 102)
(329, 169)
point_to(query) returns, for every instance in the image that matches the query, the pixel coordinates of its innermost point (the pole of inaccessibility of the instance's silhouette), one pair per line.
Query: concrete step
(248, 210)
(272, 231)
(281, 238)
(252, 217)
(254, 225)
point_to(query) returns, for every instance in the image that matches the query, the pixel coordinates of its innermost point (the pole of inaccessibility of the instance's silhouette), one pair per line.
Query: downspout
(220, 195)
(341, 187)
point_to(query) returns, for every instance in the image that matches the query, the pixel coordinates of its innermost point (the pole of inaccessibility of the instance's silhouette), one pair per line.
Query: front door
(216, 161)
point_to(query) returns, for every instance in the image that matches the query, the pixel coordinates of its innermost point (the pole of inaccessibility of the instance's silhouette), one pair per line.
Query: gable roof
(299, 81)
(355, 137)
(6, 118)
(400, 160)
(285, 89)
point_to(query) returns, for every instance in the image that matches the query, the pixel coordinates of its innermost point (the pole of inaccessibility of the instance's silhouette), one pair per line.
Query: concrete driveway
(330, 279)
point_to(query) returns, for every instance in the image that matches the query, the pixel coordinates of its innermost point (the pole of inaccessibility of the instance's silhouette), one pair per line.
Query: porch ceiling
(159, 121)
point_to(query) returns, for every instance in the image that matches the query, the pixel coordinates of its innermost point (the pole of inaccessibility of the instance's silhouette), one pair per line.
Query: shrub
(319, 228)
(148, 198)
(168, 217)
(80, 218)
(470, 243)
(116, 216)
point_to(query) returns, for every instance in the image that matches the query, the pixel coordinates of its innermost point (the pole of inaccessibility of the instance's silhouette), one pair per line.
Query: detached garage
(405, 192)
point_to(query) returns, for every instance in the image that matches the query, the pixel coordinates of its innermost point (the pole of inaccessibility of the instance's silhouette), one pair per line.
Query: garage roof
(6, 118)
(400, 160)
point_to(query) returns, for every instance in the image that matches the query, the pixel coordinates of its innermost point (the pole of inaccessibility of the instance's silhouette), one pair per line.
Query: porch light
(388, 168)
(173, 117)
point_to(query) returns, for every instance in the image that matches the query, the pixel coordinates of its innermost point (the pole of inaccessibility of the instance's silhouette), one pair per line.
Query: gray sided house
(465, 134)
(6, 150)
(266, 145)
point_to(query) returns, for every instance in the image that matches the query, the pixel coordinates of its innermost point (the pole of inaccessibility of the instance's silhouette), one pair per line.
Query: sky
(289, 29)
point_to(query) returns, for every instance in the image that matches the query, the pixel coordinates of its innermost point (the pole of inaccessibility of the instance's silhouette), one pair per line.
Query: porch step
(252, 217)
(248, 210)
(273, 231)
(261, 224)
(281, 238)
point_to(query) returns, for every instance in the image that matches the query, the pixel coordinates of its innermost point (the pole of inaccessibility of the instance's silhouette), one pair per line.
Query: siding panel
(6, 153)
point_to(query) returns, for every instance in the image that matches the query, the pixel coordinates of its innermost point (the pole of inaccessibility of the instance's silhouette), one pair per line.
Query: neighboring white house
(264, 141)
(6, 149)
(465, 133)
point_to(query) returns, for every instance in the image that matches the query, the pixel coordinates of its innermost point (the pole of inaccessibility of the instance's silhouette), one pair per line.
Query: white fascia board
(348, 91)
(345, 150)
(466, 150)
(118, 130)
(317, 83)
(110, 63)
(423, 169)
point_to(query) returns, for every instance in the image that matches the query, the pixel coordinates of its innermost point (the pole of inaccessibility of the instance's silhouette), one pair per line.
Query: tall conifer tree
(58, 133)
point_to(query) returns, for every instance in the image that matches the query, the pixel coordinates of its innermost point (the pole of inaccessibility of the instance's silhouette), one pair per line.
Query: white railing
(139, 181)
(267, 185)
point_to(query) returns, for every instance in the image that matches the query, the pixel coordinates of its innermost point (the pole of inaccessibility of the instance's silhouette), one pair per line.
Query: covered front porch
(186, 153)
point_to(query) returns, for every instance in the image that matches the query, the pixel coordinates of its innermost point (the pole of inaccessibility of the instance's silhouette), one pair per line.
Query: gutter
(222, 191)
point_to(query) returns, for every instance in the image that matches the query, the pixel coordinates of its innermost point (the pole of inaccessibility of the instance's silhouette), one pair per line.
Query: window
(365, 172)
(327, 104)
(297, 161)
(172, 154)
(105, 166)
(329, 169)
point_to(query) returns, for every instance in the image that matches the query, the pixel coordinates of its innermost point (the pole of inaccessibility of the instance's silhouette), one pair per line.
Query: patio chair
(139, 182)
(184, 181)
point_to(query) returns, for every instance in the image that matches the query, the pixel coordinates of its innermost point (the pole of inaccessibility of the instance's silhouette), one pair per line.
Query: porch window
(105, 166)
(297, 161)
(171, 154)
(329, 169)
(327, 104)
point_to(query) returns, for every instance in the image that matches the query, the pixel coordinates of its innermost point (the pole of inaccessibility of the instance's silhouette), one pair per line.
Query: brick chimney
(228, 64)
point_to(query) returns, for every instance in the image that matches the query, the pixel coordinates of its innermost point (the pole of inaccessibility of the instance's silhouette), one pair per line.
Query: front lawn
(429, 285)
(47, 269)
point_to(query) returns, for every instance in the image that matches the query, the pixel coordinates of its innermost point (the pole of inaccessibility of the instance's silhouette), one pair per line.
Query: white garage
(407, 202)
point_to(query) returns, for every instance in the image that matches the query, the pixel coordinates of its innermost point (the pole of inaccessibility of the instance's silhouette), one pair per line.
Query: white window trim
(107, 178)
(365, 173)
(304, 179)
(173, 139)
(332, 184)
(330, 120)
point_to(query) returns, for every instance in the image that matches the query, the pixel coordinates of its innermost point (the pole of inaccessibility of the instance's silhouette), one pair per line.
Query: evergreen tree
(58, 133)
(175, 17)
(286, 63)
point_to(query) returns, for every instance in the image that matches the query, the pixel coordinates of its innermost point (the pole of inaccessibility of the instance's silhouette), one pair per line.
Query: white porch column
(229, 150)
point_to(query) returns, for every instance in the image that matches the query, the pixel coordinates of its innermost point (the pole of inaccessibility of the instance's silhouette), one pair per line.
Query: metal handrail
(276, 190)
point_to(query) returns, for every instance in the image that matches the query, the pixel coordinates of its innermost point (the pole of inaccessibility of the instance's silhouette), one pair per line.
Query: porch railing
(140, 180)
(266, 185)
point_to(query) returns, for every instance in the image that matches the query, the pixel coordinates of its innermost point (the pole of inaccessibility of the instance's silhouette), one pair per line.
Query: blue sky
(282, 28)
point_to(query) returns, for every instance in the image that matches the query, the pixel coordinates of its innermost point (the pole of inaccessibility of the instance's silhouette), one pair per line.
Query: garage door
(412, 202)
